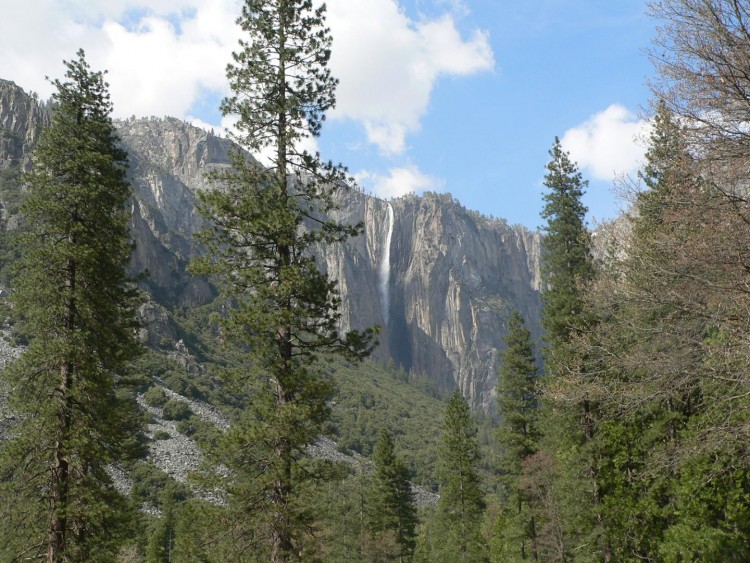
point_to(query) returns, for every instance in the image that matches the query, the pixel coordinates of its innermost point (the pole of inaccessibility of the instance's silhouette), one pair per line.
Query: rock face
(440, 280)
(168, 162)
(22, 117)
(442, 290)
(458, 277)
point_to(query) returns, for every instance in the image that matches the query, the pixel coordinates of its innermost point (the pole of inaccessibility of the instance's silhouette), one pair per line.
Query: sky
(458, 96)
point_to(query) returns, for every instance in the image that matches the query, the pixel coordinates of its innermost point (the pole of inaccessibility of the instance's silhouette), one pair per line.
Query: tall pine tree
(518, 436)
(455, 532)
(566, 260)
(391, 512)
(76, 304)
(266, 221)
(567, 419)
(518, 397)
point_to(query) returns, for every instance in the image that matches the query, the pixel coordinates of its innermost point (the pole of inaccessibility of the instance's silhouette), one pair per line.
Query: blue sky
(459, 96)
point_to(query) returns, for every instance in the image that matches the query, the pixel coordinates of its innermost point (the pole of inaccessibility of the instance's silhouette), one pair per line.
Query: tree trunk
(281, 540)
(60, 476)
(281, 543)
(60, 482)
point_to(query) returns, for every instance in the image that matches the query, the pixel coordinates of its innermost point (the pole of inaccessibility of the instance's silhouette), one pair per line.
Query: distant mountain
(441, 280)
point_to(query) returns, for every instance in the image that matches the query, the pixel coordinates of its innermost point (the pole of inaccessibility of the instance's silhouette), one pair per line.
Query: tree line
(643, 418)
(630, 442)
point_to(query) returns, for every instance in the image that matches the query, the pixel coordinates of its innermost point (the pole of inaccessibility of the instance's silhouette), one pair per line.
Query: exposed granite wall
(453, 278)
(22, 118)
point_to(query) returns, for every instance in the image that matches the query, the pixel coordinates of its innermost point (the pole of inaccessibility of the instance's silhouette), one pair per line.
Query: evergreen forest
(623, 435)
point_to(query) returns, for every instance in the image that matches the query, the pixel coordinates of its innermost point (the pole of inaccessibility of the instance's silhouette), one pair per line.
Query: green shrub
(155, 397)
(152, 364)
(181, 383)
(148, 481)
(187, 427)
(137, 382)
(162, 435)
(151, 485)
(205, 434)
(176, 410)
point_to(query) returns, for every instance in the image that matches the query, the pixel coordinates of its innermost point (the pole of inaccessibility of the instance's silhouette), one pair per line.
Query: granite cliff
(440, 280)
(22, 117)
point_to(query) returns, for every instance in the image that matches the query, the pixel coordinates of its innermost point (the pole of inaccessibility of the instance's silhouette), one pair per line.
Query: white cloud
(398, 182)
(388, 65)
(155, 71)
(165, 56)
(161, 55)
(608, 144)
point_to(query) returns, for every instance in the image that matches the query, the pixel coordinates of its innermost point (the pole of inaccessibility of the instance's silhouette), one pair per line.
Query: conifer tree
(162, 539)
(566, 260)
(456, 533)
(391, 512)
(345, 519)
(567, 419)
(76, 304)
(266, 221)
(518, 404)
(518, 397)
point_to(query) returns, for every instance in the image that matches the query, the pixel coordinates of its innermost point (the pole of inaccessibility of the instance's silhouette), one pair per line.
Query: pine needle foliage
(76, 304)
(518, 391)
(391, 512)
(568, 421)
(566, 262)
(456, 532)
(266, 222)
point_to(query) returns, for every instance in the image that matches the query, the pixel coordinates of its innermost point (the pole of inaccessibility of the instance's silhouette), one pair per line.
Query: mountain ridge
(439, 279)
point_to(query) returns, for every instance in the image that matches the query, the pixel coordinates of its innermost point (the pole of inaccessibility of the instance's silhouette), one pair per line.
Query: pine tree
(266, 221)
(566, 260)
(162, 539)
(77, 306)
(518, 436)
(518, 397)
(456, 530)
(343, 506)
(391, 512)
(567, 418)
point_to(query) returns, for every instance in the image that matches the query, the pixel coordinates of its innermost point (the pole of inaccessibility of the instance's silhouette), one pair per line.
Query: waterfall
(385, 269)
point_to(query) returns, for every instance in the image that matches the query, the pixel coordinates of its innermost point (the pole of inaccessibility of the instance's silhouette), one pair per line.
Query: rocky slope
(8, 352)
(439, 279)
